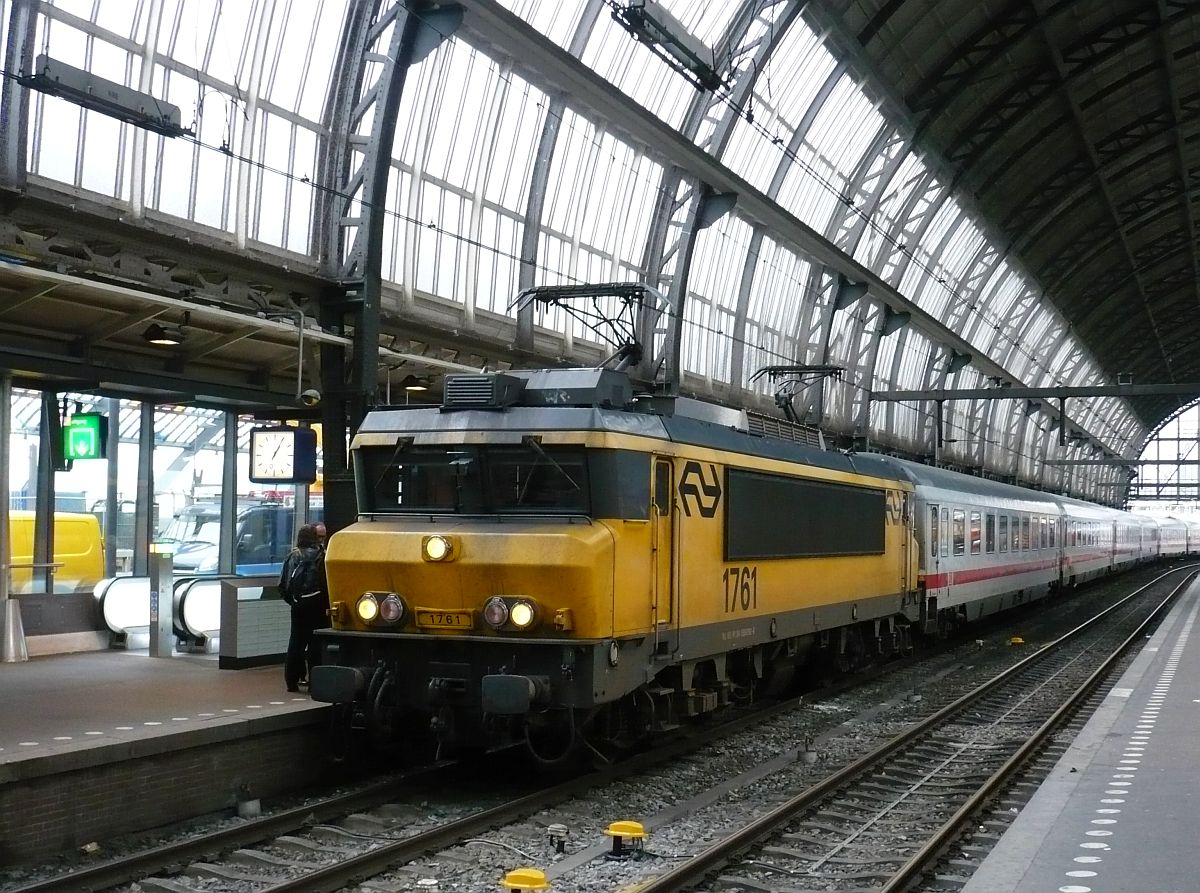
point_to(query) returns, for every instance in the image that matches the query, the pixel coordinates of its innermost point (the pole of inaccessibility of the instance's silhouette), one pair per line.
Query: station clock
(283, 455)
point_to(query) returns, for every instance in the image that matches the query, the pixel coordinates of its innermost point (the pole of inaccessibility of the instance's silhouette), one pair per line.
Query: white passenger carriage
(984, 545)
(1096, 540)
(1172, 537)
(1148, 529)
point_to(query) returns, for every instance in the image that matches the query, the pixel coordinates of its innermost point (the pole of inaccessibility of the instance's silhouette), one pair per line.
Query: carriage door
(662, 510)
(936, 548)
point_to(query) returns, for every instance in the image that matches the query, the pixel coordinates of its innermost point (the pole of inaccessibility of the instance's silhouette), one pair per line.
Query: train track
(883, 822)
(376, 812)
(349, 838)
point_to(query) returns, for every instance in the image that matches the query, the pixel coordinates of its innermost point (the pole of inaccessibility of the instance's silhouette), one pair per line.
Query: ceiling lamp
(166, 335)
(414, 383)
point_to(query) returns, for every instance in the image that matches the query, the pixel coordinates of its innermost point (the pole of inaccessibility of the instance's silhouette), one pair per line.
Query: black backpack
(303, 575)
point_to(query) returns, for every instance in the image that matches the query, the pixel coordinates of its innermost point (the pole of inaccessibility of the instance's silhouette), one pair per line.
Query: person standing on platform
(303, 586)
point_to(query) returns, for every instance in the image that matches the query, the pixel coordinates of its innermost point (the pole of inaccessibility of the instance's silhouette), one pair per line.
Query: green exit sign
(85, 436)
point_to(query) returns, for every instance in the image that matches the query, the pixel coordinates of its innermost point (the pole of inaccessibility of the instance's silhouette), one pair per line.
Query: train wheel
(623, 726)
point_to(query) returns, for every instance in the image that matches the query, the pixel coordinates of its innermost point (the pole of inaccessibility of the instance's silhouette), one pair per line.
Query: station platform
(98, 744)
(1118, 812)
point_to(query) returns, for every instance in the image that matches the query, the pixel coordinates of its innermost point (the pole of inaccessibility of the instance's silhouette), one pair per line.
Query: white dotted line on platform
(1120, 786)
(153, 723)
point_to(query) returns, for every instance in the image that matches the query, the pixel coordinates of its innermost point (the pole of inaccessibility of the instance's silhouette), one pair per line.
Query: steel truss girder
(1095, 164)
(1149, 256)
(1093, 245)
(1033, 91)
(997, 39)
(991, 42)
(1058, 194)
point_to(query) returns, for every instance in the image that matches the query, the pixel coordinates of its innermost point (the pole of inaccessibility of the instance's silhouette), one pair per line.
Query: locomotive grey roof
(927, 194)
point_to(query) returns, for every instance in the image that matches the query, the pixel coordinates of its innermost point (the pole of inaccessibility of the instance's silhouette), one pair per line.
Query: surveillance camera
(311, 397)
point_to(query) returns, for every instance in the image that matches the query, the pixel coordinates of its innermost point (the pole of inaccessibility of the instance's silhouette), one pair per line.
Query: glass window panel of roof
(556, 21)
(697, 330)
(781, 286)
(781, 96)
(303, 57)
(509, 162)
(614, 54)
(718, 260)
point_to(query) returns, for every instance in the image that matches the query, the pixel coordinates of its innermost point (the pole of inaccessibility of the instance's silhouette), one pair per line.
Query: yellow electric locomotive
(547, 558)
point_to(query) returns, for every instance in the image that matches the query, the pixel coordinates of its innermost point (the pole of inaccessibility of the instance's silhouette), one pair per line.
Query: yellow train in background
(545, 558)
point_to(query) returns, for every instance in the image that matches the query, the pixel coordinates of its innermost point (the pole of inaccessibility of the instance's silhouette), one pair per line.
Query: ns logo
(699, 490)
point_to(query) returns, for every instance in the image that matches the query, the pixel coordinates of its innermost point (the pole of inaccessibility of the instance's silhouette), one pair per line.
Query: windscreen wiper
(530, 440)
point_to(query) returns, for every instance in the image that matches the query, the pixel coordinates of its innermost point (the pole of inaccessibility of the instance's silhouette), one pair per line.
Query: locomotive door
(662, 512)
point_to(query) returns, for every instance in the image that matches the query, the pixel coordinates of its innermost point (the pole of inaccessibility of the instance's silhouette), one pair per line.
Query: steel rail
(138, 865)
(720, 854)
(949, 831)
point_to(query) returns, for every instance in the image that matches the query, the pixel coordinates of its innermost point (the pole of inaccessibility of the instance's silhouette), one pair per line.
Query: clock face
(273, 454)
(283, 455)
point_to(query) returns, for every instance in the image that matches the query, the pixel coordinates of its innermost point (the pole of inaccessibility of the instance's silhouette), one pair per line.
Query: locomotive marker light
(367, 608)
(495, 612)
(614, 654)
(392, 609)
(437, 548)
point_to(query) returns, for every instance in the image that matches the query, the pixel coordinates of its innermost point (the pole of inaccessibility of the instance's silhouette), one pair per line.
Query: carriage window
(1053, 525)
(989, 534)
(1025, 539)
(933, 531)
(960, 532)
(976, 532)
(1043, 533)
(945, 532)
(1004, 533)
(1015, 529)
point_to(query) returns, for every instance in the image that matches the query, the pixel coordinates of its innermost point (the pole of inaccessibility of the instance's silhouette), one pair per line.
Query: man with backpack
(303, 586)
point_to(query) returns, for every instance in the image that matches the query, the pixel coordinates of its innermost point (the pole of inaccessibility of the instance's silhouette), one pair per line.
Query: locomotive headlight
(437, 548)
(495, 612)
(392, 609)
(367, 608)
(522, 614)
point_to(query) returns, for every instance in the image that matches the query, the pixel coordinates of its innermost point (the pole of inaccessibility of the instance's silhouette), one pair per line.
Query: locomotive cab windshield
(486, 479)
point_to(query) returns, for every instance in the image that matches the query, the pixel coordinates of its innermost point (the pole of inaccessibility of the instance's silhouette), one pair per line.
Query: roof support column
(539, 179)
(14, 99)
(355, 165)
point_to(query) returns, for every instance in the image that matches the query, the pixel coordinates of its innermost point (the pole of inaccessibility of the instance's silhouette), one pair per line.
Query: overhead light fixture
(166, 335)
(415, 383)
(669, 39)
(106, 97)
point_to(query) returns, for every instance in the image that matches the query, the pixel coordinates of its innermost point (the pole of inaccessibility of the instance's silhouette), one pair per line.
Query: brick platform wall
(62, 810)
